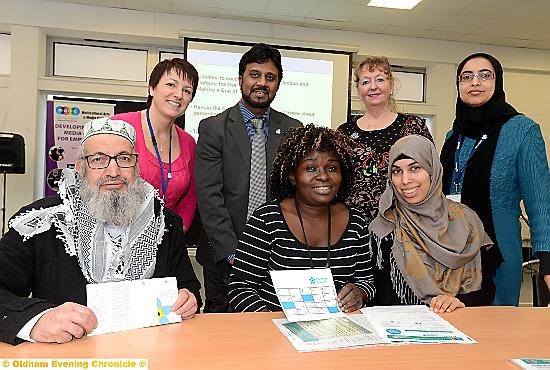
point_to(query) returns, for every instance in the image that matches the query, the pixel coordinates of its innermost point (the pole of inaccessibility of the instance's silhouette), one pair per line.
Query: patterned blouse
(371, 158)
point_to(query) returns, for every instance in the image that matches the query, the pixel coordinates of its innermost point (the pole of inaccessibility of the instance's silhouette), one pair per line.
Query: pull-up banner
(64, 125)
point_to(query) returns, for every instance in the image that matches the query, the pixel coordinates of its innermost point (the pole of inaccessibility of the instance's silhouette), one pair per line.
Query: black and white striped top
(268, 244)
(391, 286)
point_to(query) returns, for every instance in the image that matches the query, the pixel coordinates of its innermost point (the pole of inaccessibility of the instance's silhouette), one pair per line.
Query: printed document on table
(321, 335)
(126, 305)
(532, 363)
(306, 294)
(413, 324)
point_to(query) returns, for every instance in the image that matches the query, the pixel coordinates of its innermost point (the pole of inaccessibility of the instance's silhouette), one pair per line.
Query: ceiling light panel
(394, 4)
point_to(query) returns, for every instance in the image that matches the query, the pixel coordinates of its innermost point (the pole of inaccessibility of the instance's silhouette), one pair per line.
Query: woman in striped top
(306, 225)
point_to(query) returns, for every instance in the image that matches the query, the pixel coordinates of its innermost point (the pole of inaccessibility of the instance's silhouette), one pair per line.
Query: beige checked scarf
(436, 242)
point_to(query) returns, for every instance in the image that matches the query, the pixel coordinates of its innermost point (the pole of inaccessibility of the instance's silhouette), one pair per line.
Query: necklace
(164, 182)
(298, 213)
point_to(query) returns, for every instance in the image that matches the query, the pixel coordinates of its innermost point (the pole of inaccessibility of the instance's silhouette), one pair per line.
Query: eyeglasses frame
(135, 155)
(493, 76)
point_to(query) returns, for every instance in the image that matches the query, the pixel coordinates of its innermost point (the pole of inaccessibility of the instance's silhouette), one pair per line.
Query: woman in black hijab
(492, 159)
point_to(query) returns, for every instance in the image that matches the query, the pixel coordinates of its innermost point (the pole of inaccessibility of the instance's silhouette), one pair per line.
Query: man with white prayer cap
(105, 225)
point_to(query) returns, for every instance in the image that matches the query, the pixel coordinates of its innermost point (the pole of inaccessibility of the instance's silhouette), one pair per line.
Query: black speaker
(12, 153)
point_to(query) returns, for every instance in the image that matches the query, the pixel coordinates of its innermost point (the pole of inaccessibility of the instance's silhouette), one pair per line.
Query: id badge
(454, 197)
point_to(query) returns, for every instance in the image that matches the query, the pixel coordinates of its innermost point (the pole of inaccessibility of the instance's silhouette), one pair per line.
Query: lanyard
(164, 182)
(459, 171)
(305, 238)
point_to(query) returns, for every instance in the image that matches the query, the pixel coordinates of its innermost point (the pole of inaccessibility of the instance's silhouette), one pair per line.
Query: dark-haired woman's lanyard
(458, 171)
(305, 238)
(164, 181)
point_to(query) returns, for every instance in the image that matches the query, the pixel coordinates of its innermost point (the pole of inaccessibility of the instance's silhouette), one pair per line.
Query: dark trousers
(216, 286)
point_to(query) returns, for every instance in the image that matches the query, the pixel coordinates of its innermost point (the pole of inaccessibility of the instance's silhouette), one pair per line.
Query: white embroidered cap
(107, 126)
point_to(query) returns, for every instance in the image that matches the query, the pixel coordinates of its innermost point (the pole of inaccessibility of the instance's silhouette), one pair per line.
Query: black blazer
(41, 267)
(222, 175)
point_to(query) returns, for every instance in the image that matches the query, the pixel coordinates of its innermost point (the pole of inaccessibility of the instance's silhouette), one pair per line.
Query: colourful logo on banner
(65, 111)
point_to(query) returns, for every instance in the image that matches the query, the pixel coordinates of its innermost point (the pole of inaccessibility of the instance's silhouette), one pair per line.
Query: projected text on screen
(305, 92)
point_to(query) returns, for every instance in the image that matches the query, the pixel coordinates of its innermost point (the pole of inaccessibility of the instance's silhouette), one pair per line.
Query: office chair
(541, 296)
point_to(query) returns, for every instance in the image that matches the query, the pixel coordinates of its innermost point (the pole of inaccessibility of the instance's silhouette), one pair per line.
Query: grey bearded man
(106, 224)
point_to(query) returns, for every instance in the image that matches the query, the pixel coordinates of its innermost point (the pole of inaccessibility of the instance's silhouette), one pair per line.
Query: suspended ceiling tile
(443, 35)
(367, 27)
(404, 31)
(300, 8)
(512, 10)
(459, 23)
(182, 3)
(203, 11)
(332, 11)
(258, 17)
(445, 6)
(149, 6)
(237, 6)
(498, 40)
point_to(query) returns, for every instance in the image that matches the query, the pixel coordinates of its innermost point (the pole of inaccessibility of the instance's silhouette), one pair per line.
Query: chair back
(541, 296)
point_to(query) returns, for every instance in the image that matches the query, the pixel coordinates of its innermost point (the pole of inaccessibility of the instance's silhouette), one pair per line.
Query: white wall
(4, 92)
(530, 95)
(22, 104)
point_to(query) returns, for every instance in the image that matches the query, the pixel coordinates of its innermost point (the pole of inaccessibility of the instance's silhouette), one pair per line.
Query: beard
(118, 207)
(257, 104)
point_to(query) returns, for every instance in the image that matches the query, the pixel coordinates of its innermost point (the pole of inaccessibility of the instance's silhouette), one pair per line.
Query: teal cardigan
(519, 171)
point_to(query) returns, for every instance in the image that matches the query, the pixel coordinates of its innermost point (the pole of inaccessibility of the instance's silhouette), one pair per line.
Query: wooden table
(251, 341)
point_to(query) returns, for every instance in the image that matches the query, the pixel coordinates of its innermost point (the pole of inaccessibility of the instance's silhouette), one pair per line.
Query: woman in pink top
(166, 152)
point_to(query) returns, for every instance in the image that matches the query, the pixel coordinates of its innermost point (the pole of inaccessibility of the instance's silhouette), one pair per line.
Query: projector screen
(314, 88)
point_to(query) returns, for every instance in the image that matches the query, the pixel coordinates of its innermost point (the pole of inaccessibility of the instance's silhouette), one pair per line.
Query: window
(5, 54)
(89, 61)
(170, 55)
(409, 83)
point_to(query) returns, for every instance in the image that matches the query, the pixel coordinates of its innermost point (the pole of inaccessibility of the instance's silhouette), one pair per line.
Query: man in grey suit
(223, 166)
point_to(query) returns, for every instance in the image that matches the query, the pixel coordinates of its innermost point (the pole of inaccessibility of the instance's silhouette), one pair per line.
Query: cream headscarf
(437, 241)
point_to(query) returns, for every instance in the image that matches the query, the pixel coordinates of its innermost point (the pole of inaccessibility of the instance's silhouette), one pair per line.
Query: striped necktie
(257, 190)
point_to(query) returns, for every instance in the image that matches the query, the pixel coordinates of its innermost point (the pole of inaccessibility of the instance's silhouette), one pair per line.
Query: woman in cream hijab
(428, 248)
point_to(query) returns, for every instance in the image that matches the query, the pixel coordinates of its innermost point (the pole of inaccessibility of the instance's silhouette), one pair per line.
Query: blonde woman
(375, 132)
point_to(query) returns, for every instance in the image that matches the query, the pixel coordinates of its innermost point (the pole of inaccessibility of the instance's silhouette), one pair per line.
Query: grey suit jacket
(222, 175)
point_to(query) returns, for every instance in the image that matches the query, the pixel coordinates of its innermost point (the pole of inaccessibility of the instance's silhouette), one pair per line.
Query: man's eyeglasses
(100, 161)
(481, 75)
